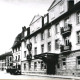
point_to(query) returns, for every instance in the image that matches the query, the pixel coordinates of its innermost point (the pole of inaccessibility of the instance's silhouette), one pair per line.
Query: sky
(14, 14)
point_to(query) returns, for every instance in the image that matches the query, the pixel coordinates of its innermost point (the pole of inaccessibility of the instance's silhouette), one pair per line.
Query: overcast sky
(14, 14)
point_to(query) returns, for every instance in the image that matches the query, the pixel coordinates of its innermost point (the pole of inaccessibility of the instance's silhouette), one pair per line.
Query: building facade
(6, 61)
(55, 41)
(51, 43)
(16, 51)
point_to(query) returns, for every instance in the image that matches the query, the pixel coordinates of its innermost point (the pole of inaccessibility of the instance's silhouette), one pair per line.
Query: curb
(55, 76)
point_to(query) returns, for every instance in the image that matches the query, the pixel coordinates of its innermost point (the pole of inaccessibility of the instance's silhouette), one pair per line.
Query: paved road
(4, 75)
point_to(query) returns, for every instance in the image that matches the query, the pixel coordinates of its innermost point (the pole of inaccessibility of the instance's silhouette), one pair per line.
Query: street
(4, 75)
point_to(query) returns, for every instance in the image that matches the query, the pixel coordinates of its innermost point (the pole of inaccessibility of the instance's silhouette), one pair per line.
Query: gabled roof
(17, 40)
(35, 18)
(53, 4)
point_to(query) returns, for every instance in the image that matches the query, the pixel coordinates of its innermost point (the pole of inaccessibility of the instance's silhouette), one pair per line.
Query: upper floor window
(10, 58)
(66, 22)
(78, 37)
(42, 36)
(24, 53)
(78, 17)
(57, 45)
(49, 32)
(57, 28)
(18, 57)
(49, 46)
(35, 50)
(35, 39)
(42, 48)
(45, 19)
(25, 33)
(66, 41)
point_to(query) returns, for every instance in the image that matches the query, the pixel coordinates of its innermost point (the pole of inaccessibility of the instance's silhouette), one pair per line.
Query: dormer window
(45, 20)
(25, 33)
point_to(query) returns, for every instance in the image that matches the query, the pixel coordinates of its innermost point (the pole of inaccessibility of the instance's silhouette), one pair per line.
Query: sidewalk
(55, 76)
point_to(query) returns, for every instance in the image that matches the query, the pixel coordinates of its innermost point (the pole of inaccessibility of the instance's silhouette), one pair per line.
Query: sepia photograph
(40, 39)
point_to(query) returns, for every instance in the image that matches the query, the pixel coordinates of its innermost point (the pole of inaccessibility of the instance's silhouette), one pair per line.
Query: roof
(35, 18)
(17, 40)
(53, 4)
(75, 8)
(3, 56)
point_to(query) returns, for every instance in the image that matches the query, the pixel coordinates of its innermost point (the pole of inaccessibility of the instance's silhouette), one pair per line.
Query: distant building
(51, 43)
(5, 60)
(16, 52)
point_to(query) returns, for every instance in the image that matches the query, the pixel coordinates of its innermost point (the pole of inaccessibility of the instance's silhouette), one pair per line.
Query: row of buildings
(51, 43)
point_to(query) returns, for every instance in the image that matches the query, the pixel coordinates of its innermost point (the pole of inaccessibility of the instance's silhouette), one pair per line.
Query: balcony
(66, 48)
(66, 31)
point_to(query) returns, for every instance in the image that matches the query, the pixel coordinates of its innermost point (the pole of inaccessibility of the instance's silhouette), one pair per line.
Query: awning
(46, 56)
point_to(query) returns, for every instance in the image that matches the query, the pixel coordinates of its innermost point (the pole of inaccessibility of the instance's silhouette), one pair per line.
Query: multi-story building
(9, 61)
(65, 23)
(16, 51)
(51, 43)
(6, 61)
(54, 40)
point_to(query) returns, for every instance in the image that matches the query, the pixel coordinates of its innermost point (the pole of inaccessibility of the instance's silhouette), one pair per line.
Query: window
(42, 36)
(49, 32)
(57, 28)
(78, 60)
(18, 57)
(42, 48)
(35, 51)
(78, 17)
(24, 53)
(19, 48)
(35, 65)
(64, 61)
(66, 40)
(45, 20)
(57, 44)
(24, 66)
(10, 58)
(35, 39)
(49, 46)
(25, 33)
(66, 22)
(78, 37)
(42, 65)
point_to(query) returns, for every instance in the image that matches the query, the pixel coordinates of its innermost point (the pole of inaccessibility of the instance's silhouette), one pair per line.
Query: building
(51, 43)
(6, 60)
(9, 61)
(16, 52)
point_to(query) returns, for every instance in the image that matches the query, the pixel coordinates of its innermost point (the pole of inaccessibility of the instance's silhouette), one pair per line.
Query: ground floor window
(78, 60)
(24, 66)
(35, 65)
(63, 63)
